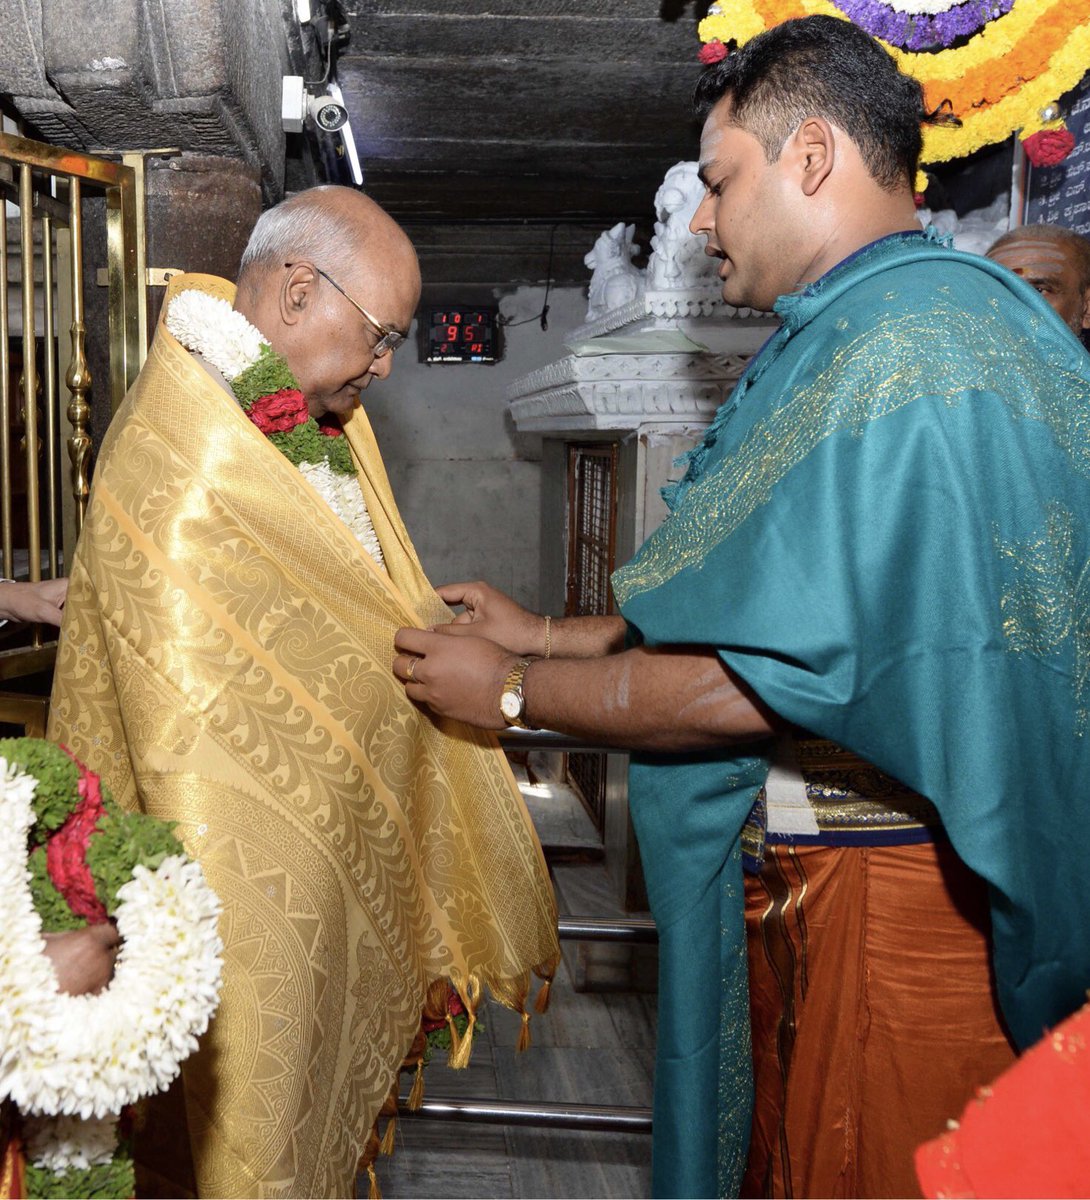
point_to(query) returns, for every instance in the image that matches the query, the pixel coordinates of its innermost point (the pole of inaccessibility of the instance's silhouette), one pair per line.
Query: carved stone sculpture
(678, 260)
(615, 280)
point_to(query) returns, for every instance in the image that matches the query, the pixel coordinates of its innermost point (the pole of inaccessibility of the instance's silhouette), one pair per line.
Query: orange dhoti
(873, 1010)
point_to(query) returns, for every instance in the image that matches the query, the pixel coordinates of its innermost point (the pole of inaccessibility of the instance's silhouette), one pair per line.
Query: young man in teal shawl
(881, 540)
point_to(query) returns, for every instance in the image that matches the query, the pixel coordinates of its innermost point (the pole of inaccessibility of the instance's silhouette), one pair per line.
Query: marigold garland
(1016, 59)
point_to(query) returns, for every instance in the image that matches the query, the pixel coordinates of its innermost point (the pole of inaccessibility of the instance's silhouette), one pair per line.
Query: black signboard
(1061, 195)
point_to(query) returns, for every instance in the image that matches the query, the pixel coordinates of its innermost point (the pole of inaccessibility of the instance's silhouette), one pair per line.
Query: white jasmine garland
(90, 1056)
(342, 494)
(210, 327)
(68, 1143)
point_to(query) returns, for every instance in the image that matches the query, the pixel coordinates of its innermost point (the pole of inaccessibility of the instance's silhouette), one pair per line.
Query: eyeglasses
(389, 339)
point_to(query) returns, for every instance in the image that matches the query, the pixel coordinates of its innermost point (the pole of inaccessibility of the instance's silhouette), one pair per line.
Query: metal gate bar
(543, 1115)
(595, 929)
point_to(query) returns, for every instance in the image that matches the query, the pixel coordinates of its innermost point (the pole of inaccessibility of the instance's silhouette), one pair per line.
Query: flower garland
(999, 66)
(268, 394)
(71, 1064)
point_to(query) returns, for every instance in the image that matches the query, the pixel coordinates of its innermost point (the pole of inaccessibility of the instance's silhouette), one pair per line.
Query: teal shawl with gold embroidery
(886, 533)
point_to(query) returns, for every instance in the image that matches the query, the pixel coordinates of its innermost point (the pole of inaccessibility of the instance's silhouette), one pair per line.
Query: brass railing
(47, 186)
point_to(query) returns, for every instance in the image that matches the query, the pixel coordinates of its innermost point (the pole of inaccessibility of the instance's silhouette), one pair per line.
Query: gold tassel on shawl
(389, 1110)
(469, 992)
(367, 1163)
(389, 1137)
(524, 1034)
(416, 1096)
(460, 1053)
(541, 1004)
(455, 1041)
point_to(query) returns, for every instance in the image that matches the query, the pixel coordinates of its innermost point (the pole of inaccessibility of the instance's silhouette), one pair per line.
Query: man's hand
(83, 959)
(42, 601)
(666, 699)
(459, 677)
(492, 615)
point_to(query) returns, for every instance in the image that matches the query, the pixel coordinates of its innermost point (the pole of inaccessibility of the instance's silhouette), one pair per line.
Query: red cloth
(1026, 1135)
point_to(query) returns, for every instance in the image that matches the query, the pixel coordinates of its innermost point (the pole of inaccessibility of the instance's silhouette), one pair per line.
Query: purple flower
(922, 31)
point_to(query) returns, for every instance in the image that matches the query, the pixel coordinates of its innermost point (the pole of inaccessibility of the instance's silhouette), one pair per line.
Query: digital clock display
(462, 335)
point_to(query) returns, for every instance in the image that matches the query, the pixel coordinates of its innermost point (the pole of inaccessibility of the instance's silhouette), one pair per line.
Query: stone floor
(591, 1047)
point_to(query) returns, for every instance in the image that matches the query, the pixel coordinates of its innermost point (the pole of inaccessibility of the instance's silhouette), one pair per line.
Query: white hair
(297, 228)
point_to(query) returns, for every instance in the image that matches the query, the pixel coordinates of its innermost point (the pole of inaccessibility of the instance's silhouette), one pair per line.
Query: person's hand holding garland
(69, 857)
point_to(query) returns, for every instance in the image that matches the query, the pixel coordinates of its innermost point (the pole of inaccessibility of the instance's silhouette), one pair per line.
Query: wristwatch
(513, 698)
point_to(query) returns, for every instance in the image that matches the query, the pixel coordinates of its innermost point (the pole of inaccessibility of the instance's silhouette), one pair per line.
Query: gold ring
(410, 668)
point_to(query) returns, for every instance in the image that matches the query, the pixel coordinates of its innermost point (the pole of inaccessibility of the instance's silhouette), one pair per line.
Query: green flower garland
(115, 1180)
(270, 378)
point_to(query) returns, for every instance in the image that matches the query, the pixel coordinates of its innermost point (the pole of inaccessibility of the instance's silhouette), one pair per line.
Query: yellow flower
(997, 82)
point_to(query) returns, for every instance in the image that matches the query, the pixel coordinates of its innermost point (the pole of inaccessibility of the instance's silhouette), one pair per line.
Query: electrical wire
(328, 56)
(544, 314)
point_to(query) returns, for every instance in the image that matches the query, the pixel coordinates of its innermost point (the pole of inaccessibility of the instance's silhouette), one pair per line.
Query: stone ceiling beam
(203, 76)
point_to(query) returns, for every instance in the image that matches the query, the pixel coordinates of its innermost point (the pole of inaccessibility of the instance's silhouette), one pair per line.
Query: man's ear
(813, 149)
(297, 292)
(1086, 308)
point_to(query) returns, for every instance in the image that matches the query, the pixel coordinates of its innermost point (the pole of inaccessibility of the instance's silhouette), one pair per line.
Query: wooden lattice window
(592, 530)
(592, 527)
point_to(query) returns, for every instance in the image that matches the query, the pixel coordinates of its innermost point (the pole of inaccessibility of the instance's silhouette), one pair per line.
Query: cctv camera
(328, 115)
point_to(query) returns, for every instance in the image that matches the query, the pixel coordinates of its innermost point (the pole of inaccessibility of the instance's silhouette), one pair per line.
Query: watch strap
(512, 685)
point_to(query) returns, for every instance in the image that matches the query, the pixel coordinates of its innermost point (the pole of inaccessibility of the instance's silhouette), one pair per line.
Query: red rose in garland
(330, 426)
(712, 53)
(1049, 147)
(66, 851)
(279, 412)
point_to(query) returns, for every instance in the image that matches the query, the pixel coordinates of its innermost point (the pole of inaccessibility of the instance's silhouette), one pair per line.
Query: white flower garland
(923, 8)
(342, 494)
(89, 1056)
(67, 1143)
(211, 328)
(221, 335)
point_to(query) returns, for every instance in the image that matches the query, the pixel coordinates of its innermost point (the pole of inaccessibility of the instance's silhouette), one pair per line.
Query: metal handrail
(594, 929)
(544, 1115)
(549, 739)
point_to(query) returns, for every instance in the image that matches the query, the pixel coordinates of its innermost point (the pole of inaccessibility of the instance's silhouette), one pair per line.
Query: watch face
(510, 706)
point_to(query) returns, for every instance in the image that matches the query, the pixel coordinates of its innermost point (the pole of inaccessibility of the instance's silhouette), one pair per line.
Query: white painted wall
(469, 486)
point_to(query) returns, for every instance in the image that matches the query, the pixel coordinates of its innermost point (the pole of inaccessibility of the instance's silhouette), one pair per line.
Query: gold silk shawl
(225, 663)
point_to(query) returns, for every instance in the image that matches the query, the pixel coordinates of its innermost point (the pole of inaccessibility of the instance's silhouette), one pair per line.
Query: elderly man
(231, 613)
(881, 540)
(1054, 260)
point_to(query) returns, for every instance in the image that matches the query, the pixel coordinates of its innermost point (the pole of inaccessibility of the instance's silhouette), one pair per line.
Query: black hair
(822, 66)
